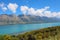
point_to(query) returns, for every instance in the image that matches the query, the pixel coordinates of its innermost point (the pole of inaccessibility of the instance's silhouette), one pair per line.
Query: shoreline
(26, 23)
(44, 34)
(27, 31)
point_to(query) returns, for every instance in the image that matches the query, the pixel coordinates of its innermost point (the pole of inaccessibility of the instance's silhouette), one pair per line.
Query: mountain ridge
(23, 19)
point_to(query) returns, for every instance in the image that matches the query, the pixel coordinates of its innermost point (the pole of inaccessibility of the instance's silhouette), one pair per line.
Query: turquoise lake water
(20, 28)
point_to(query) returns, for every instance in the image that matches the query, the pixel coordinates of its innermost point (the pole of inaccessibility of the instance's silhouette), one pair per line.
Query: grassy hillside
(51, 33)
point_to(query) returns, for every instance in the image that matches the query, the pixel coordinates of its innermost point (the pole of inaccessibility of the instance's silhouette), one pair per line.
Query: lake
(20, 28)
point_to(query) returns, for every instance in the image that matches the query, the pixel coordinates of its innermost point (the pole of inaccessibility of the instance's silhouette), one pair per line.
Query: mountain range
(23, 19)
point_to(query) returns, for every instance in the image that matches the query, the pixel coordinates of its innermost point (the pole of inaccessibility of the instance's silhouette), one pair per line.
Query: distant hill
(22, 19)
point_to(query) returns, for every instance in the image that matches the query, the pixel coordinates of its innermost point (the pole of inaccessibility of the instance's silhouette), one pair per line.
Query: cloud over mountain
(39, 12)
(24, 9)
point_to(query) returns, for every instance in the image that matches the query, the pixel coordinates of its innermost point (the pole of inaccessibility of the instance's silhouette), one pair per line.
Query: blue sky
(36, 4)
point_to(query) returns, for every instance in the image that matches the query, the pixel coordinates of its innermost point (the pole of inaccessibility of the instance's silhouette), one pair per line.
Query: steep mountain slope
(22, 19)
(32, 18)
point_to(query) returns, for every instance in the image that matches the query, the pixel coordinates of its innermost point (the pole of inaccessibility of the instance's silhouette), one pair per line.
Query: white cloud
(12, 7)
(2, 6)
(31, 11)
(57, 14)
(52, 14)
(4, 9)
(47, 13)
(24, 9)
(40, 12)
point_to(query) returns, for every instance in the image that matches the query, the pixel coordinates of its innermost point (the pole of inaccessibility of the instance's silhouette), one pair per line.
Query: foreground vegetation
(51, 33)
